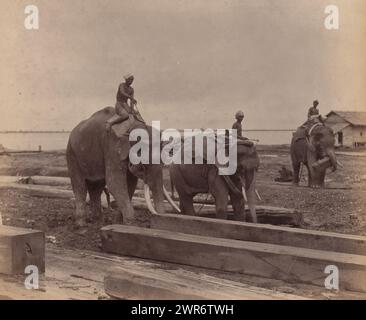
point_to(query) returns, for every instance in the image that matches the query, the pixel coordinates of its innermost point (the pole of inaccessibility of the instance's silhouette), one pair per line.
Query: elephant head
(320, 153)
(152, 173)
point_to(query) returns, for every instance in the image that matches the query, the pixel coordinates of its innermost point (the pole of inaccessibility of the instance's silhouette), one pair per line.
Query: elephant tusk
(258, 195)
(340, 164)
(244, 194)
(148, 199)
(170, 200)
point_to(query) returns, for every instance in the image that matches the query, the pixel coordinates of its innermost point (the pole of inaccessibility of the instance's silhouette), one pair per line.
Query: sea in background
(48, 141)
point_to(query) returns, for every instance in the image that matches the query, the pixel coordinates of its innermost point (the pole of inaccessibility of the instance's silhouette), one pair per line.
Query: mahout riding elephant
(191, 179)
(96, 158)
(311, 146)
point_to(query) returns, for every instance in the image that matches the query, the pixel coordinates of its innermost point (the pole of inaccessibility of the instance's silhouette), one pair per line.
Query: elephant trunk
(332, 157)
(158, 197)
(250, 179)
(155, 181)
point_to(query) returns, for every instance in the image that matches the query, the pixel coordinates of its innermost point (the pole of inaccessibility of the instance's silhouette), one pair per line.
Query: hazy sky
(195, 62)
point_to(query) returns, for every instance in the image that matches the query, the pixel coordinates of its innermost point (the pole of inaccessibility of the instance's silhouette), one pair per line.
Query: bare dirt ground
(339, 209)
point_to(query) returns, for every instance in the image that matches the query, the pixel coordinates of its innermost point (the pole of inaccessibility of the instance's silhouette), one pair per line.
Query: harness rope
(313, 127)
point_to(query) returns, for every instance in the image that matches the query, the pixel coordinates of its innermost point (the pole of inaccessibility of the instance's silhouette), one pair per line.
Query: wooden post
(20, 248)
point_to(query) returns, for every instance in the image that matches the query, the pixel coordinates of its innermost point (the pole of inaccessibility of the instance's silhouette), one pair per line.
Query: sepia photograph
(185, 150)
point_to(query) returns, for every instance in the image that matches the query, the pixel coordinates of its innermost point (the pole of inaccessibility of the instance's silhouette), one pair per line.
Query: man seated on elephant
(126, 102)
(313, 112)
(313, 115)
(239, 116)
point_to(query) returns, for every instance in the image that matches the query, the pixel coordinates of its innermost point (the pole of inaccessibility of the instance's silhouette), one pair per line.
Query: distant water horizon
(57, 140)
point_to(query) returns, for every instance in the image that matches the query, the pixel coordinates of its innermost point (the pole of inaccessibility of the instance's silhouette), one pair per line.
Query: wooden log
(19, 248)
(289, 185)
(160, 284)
(38, 180)
(287, 263)
(236, 230)
(265, 214)
(20, 152)
(51, 181)
(39, 191)
(55, 171)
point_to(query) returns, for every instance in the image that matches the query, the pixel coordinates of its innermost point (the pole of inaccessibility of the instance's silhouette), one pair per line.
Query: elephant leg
(79, 188)
(322, 178)
(132, 183)
(95, 190)
(220, 192)
(238, 205)
(185, 197)
(237, 200)
(296, 178)
(309, 176)
(108, 197)
(314, 177)
(186, 204)
(117, 184)
(185, 201)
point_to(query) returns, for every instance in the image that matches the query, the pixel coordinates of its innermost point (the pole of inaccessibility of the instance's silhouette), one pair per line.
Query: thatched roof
(356, 118)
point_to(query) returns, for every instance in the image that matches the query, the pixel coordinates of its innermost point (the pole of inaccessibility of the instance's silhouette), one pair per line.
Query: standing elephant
(96, 158)
(312, 146)
(191, 179)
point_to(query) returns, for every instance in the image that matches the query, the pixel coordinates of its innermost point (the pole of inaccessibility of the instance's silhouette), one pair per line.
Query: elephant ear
(123, 148)
(245, 148)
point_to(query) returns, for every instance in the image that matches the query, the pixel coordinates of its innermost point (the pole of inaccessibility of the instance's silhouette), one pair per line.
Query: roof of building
(357, 118)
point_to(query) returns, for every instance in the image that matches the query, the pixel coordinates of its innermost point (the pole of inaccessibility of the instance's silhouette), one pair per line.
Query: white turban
(128, 75)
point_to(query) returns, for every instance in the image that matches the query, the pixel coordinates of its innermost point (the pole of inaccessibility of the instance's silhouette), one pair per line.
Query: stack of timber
(288, 254)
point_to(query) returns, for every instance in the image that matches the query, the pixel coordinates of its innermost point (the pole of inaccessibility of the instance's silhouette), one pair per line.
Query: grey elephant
(191, 179)
(313, 145)
(96, 158)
